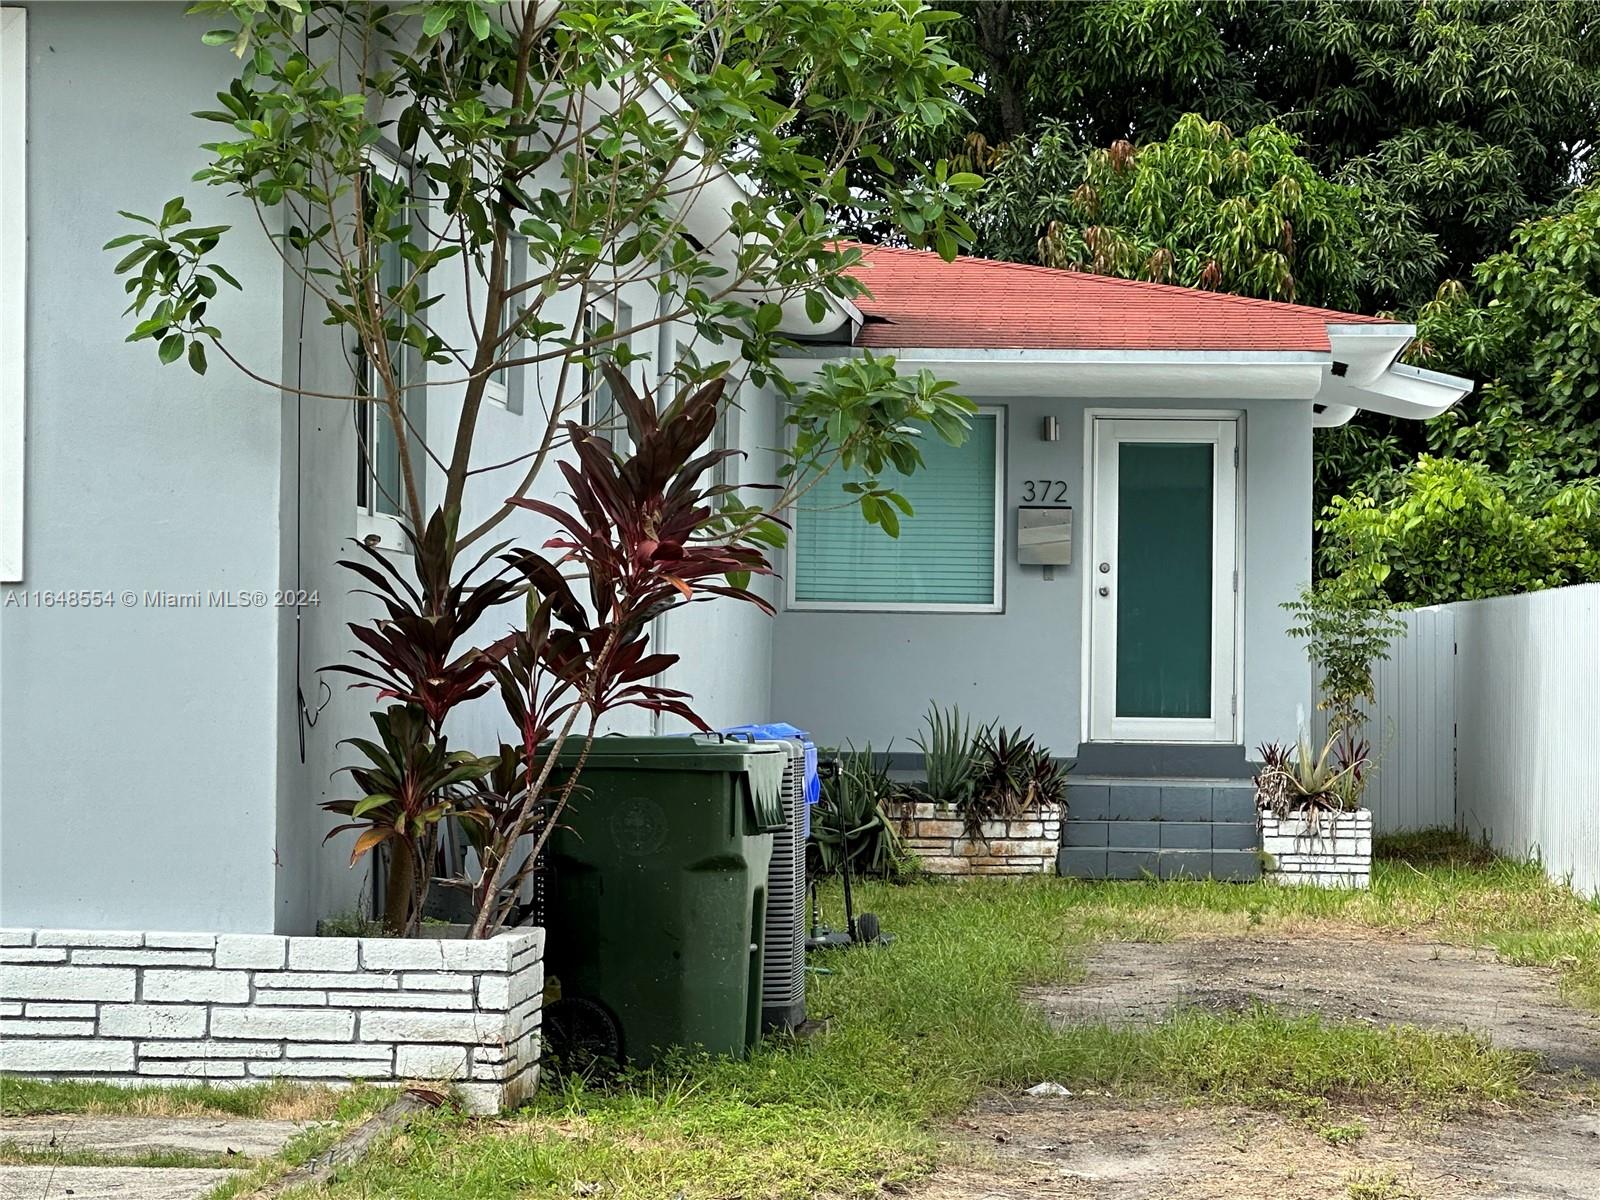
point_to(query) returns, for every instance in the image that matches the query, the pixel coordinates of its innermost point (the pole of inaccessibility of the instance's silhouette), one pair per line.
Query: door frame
(1098, 675)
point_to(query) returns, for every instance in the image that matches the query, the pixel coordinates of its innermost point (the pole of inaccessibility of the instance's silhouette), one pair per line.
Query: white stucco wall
(155, 767)
(137, 765)
(869, 676)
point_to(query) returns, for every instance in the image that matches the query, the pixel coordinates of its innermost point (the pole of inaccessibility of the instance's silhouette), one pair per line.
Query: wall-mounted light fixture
(1051, 432)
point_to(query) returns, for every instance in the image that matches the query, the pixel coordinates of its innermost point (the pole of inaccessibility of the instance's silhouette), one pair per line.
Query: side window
(600, 411)
(380, 488)
(505, 385)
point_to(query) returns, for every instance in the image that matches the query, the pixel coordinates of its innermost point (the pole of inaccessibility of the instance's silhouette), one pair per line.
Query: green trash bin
(655, 898)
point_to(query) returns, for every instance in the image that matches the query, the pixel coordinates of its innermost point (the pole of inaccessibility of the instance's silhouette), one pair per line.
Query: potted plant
(1314, 829)
(992, 802)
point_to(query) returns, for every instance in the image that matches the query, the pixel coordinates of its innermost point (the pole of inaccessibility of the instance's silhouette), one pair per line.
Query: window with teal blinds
(945, 554)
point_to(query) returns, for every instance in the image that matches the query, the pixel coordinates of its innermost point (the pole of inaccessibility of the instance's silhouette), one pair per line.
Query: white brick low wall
(1025, 846)
(1338, 854)
(243, 1008)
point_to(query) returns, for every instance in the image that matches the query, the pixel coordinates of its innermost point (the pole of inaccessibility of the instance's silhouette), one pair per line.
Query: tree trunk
(400, 889)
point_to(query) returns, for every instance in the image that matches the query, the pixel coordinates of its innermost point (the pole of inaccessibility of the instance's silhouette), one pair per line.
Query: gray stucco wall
(869, 676)
(137, 766)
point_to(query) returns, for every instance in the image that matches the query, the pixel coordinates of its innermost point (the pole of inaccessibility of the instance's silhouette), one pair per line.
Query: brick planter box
(233, 1009)
(1339, 854)
(1025, 846)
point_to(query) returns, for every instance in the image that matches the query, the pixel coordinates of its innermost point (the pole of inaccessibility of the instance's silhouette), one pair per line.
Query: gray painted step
(1160, 801)
(1084, 862)
(1146, 759)
(1162, 835)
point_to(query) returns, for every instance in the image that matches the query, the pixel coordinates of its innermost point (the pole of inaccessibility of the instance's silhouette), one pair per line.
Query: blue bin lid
(779, 731)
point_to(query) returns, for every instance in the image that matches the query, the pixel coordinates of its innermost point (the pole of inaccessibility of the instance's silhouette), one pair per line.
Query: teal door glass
(1164, 571)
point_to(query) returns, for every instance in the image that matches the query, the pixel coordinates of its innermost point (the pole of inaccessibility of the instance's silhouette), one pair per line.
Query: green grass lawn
(918, 1030)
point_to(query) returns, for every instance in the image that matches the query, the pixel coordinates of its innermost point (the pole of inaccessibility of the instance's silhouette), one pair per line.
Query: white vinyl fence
(1488, 718)
(1412, 727)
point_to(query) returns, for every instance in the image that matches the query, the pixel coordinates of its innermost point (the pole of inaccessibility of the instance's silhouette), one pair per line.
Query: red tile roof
(919, 300)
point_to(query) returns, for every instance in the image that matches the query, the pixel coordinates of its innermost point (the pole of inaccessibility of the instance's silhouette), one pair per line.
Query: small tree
(552, 156)
(1347, 631)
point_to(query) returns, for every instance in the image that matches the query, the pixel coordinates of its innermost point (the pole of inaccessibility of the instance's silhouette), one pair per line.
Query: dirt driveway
(1081, 1149)
(1073, 1149)
(1380, 981)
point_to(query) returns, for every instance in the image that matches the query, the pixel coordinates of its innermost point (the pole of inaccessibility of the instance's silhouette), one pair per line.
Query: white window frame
(13, 286)
(995, 606)
(499, 389)
(372, 526)
(605, 308)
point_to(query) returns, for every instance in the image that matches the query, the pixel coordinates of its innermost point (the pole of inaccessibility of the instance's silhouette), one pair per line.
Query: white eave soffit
(1372, 379)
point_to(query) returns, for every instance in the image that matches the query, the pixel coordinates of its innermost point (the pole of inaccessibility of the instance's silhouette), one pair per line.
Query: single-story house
(1102, 563)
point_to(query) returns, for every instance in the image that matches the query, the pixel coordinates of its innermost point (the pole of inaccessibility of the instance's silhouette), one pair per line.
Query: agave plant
(1310, 782)
(854, 810)
(950, 755)
(412, 783)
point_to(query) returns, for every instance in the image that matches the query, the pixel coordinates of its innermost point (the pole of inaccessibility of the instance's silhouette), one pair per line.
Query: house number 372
(1044, 491)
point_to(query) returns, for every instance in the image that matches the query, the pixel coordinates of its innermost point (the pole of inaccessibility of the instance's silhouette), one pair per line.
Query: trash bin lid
(782, 731)
(759, 764)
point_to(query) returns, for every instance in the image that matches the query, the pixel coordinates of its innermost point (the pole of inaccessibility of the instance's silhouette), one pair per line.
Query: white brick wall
(1337, 854)
(1026, 846)
(239, 1008)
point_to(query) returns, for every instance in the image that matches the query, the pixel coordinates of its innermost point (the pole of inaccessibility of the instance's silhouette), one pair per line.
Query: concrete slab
(140, 1135)
(108, 1183)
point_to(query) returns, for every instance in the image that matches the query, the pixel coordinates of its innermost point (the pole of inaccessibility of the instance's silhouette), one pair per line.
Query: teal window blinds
(946, 554)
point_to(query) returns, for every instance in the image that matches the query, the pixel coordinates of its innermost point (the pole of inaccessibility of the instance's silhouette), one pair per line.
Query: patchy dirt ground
(1388, 982)
(1074, 1149)
(1105, 1150)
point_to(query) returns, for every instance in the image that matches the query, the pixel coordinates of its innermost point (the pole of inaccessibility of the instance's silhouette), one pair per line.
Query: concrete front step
(1153, 801)
(1162, 835)
(1093, 862)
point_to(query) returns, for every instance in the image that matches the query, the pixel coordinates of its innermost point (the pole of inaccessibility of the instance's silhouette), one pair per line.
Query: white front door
(1163, 584)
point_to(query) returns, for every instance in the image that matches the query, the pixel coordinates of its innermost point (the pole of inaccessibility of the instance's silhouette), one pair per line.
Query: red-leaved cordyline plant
(412, 650)
(647, 538)
(411, 782)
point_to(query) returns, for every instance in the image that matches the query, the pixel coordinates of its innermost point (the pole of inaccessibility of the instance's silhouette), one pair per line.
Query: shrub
(1347, 630)
(1015, 776)
(855, 807)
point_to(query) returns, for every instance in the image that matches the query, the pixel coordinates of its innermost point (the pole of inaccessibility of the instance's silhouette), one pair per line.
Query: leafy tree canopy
(1459, 117)
(1203, 208)
(1528, 329)
(1455, 531)
(554, 156)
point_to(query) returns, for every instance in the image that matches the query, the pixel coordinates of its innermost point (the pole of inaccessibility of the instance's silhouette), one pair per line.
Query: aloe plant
(950, 755)
(855, 807)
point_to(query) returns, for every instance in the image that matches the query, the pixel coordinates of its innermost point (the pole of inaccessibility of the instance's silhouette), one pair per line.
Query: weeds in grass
(918, 1030)
(15, 1154)
(273, 1101)
(1379, 1185)
(1347, 1133)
